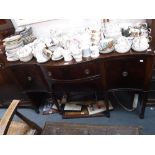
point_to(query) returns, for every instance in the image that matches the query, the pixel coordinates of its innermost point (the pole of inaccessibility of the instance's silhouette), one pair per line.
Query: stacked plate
(12, 45)
(26, 34)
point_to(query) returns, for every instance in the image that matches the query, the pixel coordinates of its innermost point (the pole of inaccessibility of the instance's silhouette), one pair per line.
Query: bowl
(124, 49)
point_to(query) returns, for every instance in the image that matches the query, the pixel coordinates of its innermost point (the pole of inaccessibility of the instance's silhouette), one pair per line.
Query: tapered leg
(143, 105)
(54, 98)
(107, 103)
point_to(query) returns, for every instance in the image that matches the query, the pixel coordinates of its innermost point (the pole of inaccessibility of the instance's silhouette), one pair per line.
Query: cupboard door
(29, 77)
(125, 73)
(8, 90)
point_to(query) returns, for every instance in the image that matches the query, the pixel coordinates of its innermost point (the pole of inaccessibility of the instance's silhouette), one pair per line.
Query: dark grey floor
(118, 117)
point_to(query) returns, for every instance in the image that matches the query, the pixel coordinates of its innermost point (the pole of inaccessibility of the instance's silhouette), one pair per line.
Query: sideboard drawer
(73, 72)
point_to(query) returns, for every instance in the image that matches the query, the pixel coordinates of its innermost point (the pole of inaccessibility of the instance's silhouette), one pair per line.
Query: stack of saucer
(26, 34)
(12, 44)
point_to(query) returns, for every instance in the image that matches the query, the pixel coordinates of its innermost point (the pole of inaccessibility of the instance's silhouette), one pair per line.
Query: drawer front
(29, 77)
(74, 72)
(128, 73)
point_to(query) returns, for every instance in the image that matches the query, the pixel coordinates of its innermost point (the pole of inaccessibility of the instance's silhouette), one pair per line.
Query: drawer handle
(125, 74)
(87, 71)
(29, 78)
(49, 74)
(1, 65)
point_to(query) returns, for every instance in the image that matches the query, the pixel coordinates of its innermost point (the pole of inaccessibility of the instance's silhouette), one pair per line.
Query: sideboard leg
(107, 104)
(143, 105)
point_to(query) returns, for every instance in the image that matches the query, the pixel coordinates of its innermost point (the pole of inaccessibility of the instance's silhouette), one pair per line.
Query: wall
(42, 29)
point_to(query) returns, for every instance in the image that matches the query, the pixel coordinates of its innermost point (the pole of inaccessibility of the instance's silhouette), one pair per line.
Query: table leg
(143, 105)
(106, 98)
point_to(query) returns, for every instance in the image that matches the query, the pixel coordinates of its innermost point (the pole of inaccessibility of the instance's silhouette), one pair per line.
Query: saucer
(95, 56)
(109, 50)
(12, 59)
(140, 50)
(12, 38)
(56, 59)
(42, 60)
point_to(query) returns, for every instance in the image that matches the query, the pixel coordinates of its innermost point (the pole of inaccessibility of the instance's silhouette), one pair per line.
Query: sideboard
(130, 71)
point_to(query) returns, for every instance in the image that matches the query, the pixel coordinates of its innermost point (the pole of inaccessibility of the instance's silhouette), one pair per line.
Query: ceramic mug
(57, 53)
(86, 52)
(94, 51)
(67, 55)
(135, 31)
(47, 52)
(145, 32)
(77, 55)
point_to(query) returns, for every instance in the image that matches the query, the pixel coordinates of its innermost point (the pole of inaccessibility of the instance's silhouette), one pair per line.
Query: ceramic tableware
(94, 51)
(106, 45)
(77, 55)
(67, 55)
(123, 45)
(140, 44)
(86, 52)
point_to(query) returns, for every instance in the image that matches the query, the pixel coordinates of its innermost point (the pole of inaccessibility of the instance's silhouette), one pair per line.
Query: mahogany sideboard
(109, 72)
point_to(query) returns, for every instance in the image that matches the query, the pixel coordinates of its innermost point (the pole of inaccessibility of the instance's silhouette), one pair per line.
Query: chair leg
(29, 122)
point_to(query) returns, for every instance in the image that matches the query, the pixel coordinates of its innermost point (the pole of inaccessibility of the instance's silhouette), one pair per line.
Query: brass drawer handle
(29, 78)
(87, 71)
(49, 74)
(1, 65)
(125, 74)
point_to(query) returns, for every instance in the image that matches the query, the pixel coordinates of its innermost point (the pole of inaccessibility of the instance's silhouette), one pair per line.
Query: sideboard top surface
(102, 57)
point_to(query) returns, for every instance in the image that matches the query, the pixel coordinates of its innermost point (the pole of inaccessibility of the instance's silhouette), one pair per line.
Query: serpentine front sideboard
(113, 71)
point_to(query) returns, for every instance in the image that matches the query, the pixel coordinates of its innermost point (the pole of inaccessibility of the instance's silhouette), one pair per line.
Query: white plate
(12, 38)
(14, 46)
(57, 58)
(12, 59)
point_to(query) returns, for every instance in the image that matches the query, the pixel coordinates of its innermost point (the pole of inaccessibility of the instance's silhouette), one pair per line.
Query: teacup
(145, 32)
(47, 52)
(142, 25)
(57, 53)
(86, 52)
(106, 44)
(94, 51)
(135, 31)
(67, 55)
(77, 55)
